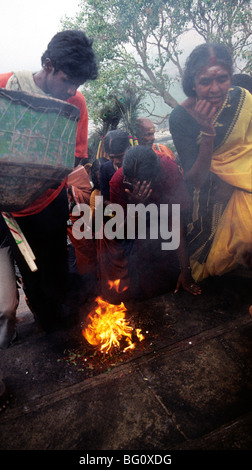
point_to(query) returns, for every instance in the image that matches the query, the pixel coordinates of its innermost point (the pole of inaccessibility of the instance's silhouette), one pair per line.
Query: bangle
(209, 135)
(184, 268)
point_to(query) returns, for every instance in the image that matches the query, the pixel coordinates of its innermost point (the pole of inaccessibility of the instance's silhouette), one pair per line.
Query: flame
(115, 285)
(108, 326)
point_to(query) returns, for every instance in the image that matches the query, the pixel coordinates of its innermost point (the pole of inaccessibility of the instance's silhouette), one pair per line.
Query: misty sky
(26, 27)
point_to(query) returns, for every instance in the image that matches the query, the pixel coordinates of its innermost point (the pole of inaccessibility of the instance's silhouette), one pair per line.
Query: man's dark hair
(204, 55)
(116, 142)
(71, 51)
(141, 163)
(243, 80)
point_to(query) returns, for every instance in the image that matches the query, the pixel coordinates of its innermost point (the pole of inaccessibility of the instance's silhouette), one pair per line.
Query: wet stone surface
(181, 387)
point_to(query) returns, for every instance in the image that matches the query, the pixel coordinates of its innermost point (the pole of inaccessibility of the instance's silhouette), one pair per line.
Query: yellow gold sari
(232, 163)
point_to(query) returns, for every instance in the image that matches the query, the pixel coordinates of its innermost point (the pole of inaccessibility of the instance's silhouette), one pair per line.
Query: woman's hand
(204, 113)
(186, 282)
(140, 193)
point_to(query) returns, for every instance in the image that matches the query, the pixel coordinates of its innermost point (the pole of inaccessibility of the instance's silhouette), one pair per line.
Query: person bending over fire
(147, 178)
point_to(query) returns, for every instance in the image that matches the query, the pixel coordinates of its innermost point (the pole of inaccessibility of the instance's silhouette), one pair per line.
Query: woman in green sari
(212, 132)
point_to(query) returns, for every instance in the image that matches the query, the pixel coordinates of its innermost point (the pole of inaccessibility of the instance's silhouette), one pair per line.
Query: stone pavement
(187, 386)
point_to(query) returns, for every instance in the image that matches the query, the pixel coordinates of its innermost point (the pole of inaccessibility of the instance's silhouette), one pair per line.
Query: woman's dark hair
(71, 51)
(142, 163)
(204, 55)
(94, 169)
(243, 80)
(116, 142)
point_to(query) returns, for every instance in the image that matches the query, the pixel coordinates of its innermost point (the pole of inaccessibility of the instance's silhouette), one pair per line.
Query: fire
(108, 326)
(116, 285)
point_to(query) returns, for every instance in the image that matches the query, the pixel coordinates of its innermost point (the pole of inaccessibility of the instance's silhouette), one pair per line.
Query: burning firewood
(108, 327)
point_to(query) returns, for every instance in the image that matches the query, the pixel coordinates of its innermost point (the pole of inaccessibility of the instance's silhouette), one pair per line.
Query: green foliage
(226, 21)
(137, 41)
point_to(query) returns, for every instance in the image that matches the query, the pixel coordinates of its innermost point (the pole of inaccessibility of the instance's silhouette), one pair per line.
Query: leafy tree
(138, 41)
(135, 40)
(228, 22)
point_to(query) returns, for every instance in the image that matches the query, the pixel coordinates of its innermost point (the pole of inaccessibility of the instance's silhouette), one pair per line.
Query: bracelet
(183, 268)
(205, 133)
